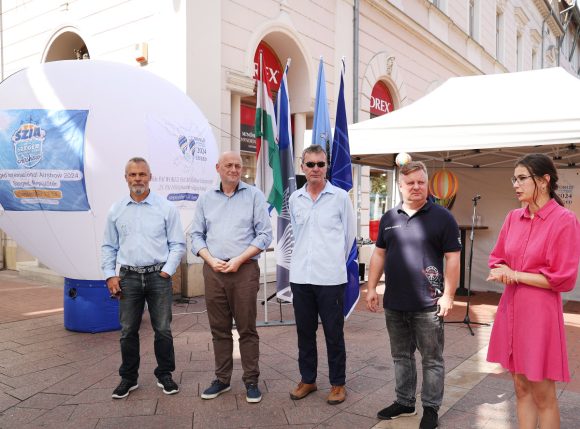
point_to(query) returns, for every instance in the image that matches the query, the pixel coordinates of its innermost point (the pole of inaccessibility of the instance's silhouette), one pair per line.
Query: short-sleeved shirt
(415, 249)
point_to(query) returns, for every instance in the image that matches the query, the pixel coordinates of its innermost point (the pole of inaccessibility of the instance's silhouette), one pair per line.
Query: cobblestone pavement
(51, 377)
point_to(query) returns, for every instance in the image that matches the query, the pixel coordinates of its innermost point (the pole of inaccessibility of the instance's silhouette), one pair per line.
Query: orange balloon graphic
(444, 185)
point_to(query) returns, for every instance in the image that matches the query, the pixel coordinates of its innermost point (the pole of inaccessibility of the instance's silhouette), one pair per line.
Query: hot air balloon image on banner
(444, 185)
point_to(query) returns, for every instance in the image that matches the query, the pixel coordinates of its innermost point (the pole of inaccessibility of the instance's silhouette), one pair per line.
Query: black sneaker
(253, 393)
(430, 419)
(395, 411)
(169, 386)
(123, 389)
(215, 390)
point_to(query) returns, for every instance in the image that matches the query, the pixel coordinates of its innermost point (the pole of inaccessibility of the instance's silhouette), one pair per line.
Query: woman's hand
(503, 274)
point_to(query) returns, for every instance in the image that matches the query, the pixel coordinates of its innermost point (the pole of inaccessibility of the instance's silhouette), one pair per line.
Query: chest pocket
(301, 216)
(125, 229)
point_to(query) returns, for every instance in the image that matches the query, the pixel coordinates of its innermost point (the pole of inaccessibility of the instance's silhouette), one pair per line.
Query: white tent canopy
(475, 113)
(484, 121)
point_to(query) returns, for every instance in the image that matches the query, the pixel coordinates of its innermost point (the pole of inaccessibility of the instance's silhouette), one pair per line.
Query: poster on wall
(569, 188)
(41, 160)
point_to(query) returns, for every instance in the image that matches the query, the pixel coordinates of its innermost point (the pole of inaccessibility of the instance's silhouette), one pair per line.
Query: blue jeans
(157, 291)
(421, 330)
(309, 301)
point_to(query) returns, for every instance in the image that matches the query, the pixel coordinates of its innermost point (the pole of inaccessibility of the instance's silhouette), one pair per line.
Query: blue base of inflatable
(88, 306)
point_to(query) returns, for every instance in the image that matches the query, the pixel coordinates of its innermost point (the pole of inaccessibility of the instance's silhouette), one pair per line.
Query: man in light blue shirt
(143, 234)
(324, 228)
(230, 229)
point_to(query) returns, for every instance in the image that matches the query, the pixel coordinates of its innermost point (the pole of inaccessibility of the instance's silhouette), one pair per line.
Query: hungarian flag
(266, 145)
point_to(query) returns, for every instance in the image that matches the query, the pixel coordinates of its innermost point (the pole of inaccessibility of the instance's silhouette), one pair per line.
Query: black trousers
(309, 302)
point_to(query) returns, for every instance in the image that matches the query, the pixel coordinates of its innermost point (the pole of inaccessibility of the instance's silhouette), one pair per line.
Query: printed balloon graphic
(67, 129)
(444, 185)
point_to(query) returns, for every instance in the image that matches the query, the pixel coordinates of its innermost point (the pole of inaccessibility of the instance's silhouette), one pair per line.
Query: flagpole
(263, 175)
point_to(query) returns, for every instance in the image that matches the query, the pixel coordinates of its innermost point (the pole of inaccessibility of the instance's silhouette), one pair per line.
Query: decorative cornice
(500, 5)
(239, 83)
(545, 10)
(521, 17)
(535, 36)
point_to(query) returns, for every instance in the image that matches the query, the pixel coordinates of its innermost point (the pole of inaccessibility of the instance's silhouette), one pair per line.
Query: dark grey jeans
(409, 331)
(157, 291)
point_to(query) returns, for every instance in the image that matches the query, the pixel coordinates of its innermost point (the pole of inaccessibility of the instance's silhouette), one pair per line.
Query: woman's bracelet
(516, 276)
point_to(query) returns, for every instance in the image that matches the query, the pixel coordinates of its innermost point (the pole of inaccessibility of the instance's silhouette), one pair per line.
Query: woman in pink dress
(536, 257)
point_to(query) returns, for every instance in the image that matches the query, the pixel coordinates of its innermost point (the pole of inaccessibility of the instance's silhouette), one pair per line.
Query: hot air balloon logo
(28, 139)
(187, 146)
(444, 185)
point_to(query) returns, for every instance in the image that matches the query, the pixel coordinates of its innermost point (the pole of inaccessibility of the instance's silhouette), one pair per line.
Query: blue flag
(285, 237)
(321, 131)
(341, 176)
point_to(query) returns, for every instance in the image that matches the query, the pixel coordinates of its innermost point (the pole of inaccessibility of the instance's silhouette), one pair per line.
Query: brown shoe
(303, 390)
(337, 395)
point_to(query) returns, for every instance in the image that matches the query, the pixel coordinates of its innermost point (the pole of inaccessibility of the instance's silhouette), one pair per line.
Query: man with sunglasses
(230, 229)
(323, 224)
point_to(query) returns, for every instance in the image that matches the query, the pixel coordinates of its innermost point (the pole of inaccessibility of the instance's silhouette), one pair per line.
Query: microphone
(477, 197)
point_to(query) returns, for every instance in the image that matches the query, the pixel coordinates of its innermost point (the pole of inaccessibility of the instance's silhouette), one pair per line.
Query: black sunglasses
(319, 164)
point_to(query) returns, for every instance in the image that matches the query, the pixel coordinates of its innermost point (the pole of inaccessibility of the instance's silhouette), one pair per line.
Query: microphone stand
(466, 319)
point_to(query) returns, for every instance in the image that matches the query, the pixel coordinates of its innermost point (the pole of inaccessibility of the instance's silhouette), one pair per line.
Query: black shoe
(395, 411)
(169, 386)
(430, 419)
(216, 389)
(123, 389)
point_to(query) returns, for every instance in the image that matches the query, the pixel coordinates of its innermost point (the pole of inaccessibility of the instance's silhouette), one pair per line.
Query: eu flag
(341, 176)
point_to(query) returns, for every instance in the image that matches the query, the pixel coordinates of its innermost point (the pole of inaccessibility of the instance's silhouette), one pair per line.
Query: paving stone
(45, 401)
(57, 415)
(148, 422)
(15, 417)
(115, 408)
(7, 401)
(346, 420)
(309, 414)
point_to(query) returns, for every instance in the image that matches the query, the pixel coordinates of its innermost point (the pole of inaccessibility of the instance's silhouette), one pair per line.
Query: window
(436, 3)
(473, 19)
(499, 35)
(519, 52)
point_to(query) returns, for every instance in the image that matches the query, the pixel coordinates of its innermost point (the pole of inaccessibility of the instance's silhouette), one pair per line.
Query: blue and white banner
(285, 234)
(341, 176)
(42, 160)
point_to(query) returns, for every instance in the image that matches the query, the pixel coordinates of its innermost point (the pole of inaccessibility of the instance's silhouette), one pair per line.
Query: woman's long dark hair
(539, 165)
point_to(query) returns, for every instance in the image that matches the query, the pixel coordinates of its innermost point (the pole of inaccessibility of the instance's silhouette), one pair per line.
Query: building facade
(396, 51)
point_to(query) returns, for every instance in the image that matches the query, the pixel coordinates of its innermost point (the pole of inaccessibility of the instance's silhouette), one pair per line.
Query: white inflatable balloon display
(67, 129)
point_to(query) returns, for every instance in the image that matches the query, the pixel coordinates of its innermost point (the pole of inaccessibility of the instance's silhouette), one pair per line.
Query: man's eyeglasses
(319, 164)
(519, 180)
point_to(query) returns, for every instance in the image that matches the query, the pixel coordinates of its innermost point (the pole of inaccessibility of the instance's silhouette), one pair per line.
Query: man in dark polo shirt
(418, 247)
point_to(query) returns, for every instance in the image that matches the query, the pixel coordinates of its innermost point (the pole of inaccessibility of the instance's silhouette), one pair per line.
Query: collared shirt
(227, 226)
(324, 232)
(415, 250)
(142, 234)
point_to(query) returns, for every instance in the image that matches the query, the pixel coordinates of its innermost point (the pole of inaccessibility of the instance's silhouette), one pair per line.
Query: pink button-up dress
(528, 334)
